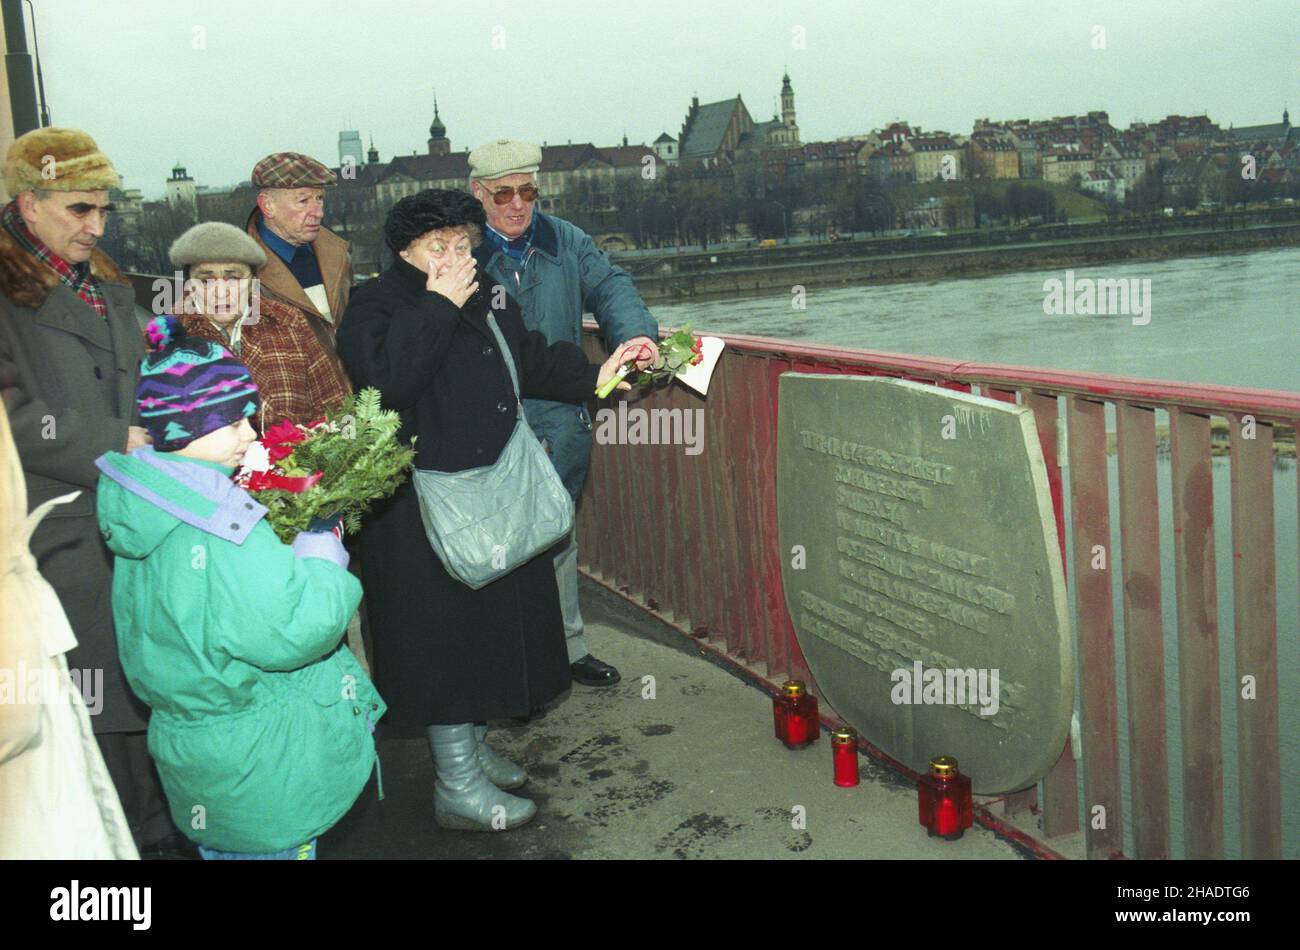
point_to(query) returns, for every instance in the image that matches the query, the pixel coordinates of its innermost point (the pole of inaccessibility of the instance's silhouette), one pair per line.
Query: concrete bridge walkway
(694, 772)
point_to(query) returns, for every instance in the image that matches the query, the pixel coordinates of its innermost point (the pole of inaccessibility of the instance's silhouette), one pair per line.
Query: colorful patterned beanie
(189, 386)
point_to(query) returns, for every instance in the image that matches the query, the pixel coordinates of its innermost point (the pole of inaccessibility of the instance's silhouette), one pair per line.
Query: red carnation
(281, 438)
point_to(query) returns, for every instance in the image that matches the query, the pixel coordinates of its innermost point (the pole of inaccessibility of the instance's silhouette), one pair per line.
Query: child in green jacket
(262, 724)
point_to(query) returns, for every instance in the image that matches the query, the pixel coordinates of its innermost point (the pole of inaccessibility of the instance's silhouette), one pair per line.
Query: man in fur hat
(70, 352)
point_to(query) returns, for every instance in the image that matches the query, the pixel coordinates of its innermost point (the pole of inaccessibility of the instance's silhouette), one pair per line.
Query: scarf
(77, 276)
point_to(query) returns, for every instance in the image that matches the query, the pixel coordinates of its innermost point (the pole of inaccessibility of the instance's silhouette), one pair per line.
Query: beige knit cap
(57, 160)
(504, 157)
(215, 242)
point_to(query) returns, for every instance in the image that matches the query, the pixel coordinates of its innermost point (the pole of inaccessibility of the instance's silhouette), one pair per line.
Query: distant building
(1198, 180)
(666, 148)
(127, 204)
(780, 132)
(1122, 162)
(181, 193)
(350, 148)
(956, 212)
(631, 163)
(892, 161)
(438, 143)
(408, 174)
(994, 155)
(716, 131)
(1105, 183)
(712, 131)
(1063, 162)
(937, 156)
(821, 157)
(1276, 134)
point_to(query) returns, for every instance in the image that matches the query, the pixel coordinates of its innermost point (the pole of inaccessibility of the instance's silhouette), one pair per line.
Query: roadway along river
(1223, 320)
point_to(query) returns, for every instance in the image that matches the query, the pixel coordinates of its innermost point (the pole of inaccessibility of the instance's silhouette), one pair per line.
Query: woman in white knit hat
(221, 303)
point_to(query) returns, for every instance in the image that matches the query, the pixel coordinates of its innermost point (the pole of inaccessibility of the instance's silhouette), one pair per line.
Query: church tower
(438, 142)
(182, 194)
(784, 130)
(787, 103)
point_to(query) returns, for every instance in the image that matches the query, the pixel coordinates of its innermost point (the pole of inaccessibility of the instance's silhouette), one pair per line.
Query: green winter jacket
(262, 724)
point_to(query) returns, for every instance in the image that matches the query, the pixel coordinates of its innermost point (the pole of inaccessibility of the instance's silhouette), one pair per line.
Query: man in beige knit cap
(555, 271)
(70, 352)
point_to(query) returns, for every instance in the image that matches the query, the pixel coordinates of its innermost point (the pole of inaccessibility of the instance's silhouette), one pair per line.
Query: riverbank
(1284, 443)
(729, 275)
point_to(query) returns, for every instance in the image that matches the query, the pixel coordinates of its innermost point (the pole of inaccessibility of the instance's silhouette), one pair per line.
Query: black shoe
(589, 671)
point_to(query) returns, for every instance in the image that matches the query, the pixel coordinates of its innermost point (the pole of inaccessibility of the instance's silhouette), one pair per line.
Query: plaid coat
(295, 375)
(279, 284)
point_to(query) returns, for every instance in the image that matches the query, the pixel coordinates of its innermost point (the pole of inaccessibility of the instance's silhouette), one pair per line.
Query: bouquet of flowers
(336, 465)
(677, 352)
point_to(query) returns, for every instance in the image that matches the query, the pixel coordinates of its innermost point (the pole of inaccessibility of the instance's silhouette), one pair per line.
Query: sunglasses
(503, 196)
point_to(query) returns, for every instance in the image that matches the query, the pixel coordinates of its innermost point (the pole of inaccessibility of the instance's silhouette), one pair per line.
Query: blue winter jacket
(565, 275)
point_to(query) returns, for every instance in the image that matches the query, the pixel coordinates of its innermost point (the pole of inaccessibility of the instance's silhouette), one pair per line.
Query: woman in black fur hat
(447, 657)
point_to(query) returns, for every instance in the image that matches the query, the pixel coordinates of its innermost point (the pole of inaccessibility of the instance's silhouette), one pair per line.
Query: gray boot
(464, 799)
(502, 773)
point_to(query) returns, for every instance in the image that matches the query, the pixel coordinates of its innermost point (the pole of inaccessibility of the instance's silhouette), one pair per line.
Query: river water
(1223, 320)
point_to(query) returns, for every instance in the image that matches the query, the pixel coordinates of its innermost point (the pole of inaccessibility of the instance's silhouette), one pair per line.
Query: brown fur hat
(57, 160)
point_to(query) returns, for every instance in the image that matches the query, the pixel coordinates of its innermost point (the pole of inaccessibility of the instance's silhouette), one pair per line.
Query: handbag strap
(505, 352)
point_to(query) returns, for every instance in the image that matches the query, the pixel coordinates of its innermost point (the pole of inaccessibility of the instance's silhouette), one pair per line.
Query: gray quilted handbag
(485, 522)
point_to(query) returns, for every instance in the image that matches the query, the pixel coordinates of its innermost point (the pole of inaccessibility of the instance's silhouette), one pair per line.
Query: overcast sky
(217, 84)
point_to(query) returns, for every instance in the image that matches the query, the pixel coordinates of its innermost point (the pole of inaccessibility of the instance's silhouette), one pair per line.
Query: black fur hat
(431, 210)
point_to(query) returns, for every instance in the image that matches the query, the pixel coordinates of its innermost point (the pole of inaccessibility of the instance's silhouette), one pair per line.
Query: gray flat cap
(504, 157)
(215, 242)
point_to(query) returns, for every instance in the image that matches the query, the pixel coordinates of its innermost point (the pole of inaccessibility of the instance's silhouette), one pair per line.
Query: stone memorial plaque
(922, 572)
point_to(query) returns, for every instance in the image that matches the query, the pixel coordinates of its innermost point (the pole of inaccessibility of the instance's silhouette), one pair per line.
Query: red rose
(281, 438)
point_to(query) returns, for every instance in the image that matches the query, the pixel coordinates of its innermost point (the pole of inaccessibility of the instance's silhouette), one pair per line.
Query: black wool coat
(444, 653)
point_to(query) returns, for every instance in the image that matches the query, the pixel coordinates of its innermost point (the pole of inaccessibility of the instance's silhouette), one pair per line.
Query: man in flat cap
(555, 272)
(307, 265)
(70, 352)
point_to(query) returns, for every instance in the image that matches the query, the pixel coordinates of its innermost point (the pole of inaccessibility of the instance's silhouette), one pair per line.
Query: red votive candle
(844, 755)
(795, 715)
(944, 803)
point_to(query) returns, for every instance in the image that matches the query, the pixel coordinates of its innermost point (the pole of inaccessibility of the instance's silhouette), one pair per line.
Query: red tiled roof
(624, 156)
(428, 167)
(563, 158)
(933, 143)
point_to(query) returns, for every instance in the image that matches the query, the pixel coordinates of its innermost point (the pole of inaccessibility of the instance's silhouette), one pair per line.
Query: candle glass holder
(795, 716)
(844, 757)
(944, 803)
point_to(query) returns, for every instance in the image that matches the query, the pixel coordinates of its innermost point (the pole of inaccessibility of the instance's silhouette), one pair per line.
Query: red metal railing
(694, 538)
